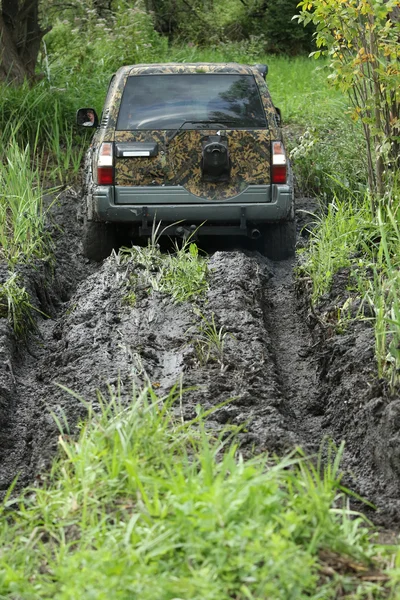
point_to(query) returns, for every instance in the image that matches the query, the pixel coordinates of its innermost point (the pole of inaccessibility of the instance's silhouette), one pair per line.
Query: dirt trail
(289, 386)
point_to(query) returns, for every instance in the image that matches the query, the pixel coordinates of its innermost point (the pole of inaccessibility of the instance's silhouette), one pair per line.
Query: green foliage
(15, 305)
(143, 507)
(88, 45)
(43, 116)
(22, 235)
(383, 294)
(349, 236)
(328, 158)
(362, 41)
(342, 233)
(256, 25)
(182, 275)
(208, 340)
(282, 33)
(23, 238)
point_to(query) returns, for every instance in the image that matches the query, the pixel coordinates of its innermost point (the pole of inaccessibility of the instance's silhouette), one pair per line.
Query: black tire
(99, 239)
(279, 240)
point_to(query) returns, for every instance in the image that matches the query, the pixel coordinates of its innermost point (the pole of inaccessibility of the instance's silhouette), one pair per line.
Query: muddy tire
(99, 239)
(279, 240)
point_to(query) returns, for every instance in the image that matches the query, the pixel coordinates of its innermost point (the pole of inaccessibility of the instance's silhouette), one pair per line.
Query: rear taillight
(105, 164)
(279, 166)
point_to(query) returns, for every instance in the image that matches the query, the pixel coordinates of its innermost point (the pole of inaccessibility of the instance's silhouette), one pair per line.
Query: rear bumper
(258, 204)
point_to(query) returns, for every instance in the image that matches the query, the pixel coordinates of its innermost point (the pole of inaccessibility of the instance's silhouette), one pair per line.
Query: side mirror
(263, 70)
(87, 117)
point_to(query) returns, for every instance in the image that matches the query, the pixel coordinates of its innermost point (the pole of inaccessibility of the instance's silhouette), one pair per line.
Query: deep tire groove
(292, 343)
(23, 393)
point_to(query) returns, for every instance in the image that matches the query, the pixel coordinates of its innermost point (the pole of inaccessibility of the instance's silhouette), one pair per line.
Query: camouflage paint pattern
(269, 107)
(179, 162)
(169, 68)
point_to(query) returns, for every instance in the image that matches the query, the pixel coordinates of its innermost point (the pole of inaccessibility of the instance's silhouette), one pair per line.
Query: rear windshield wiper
(175, 133)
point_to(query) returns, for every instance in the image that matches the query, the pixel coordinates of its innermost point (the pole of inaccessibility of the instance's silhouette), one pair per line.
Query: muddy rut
(289, 383)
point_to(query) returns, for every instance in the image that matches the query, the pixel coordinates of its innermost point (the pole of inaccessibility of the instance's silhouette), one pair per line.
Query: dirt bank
(290, 381)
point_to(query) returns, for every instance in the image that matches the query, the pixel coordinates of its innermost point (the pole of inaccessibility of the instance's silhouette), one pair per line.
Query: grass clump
(383, 295)
(15, 305)
(208, 340)
(23, 238)
(340, 238)
(349, 237)
(139, 506)
(22, 235)
(182, 275)
(328, 157)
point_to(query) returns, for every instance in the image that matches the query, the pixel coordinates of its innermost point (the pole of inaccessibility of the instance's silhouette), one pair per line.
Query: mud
(290, 380)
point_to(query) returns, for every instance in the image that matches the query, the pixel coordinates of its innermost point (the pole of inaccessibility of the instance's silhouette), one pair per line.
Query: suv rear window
(185, 100)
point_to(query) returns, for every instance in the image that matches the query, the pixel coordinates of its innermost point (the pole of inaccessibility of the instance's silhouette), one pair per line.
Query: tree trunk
(11, 66)
(20, 39)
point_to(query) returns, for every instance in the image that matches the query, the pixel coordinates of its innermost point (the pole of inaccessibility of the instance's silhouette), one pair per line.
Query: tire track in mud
(25, 408)
(285, 388)
(296, 363)
(101, 342)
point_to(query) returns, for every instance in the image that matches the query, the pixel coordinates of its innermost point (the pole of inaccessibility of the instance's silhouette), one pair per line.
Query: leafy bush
(329, 158)
(93, 47)
(362, 42)
(282, 34)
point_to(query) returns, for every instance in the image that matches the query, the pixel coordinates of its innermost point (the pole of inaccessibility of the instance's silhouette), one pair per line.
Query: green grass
(348, 236)
(141, 506)
(22, 235)
(181, 274)
(208, 340)
(383, 294)
(342, 234)
(329, 158)
(15, 305)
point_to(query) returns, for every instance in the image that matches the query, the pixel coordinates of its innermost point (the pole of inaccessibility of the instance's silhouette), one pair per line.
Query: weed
(349, 237)
(328, 157)
(130, 299)
(384, 297)
(16, 306)
(209, 340)
(182, 275)
(67, 152)
(340, 236)
(22, 234)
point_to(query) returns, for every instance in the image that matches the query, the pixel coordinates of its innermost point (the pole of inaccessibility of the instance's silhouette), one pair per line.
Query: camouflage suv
(188, 145)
